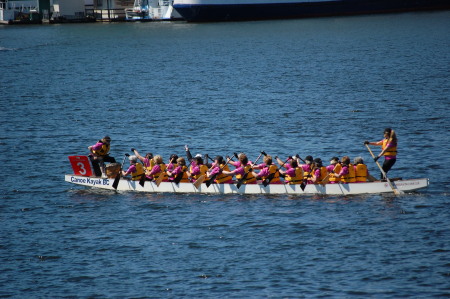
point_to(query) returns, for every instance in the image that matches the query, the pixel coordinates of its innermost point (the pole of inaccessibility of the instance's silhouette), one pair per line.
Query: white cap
(198, 156)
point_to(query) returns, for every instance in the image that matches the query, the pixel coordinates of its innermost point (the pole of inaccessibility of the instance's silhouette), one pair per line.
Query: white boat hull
(329, 189)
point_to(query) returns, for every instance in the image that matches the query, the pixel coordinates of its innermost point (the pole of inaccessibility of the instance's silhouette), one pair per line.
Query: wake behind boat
(284, 189)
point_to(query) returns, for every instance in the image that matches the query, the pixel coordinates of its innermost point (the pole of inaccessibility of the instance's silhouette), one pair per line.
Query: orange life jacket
(392, 151)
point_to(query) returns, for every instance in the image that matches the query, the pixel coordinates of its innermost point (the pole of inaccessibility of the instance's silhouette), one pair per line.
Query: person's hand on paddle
(133, 149)
(376, 158)
(186, 148)
(366, 142)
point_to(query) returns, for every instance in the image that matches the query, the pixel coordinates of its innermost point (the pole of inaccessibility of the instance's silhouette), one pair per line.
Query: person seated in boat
(266, 169)
(293, 174)
(218, 167)
(347, 173)
(99, 154)
(136, 170)
(147, 161)
(172, 162)
(307, 167)
(361, 171)
(243, 166)
(388, 150)
(197, 168)
(158, 169)
(334, 167)
(319, 172)
(179, 174)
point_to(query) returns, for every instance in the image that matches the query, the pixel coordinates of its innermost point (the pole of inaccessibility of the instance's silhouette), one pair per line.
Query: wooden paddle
(160, 179)
(394, 189)
(199, 181)
(244, 177)
(272, 175)
(211, 179)
(117, 179)
(326, 179)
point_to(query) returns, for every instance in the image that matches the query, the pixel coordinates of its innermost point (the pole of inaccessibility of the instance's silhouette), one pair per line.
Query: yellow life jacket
(297, 179)
(350, 177)
(361, 173)
(151, 164)
(392, 150)
(273, 169)
(307, 174)
(162, 172)
(337, 169)
(103, 151)
(221, 178)
(323, 174)
(185, 178)
(136, 176)
(250, 177)
(203, 170)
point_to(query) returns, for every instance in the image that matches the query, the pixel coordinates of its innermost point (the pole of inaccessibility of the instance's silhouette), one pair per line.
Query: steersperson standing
(100, 154)
(388, 149)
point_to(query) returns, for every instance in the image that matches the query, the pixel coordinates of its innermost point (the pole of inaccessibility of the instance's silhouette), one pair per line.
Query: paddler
(334, 167)
(361, 172)
(347, 173)
(99, 154)
(319, 172)
(147, 161)
(180, 170)
(307, 168)
(197, 168)
(293, 174)
(243, 166)
(388, 150)
(219, 166)
(136, 169)
(267, 168)
(158, 169)
(172, 163)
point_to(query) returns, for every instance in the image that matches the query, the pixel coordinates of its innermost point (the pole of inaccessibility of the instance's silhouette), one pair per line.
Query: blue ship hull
(243, 12)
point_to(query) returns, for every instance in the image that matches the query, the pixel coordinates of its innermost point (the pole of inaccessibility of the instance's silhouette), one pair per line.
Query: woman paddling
(243, 166)
(388, 149)
(180, 172)
(218, 167)
(267, 168)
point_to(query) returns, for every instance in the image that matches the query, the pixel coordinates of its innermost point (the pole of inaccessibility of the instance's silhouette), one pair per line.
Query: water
(315, 86)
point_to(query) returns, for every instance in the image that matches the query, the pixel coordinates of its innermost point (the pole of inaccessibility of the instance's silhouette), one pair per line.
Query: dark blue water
(316, 86)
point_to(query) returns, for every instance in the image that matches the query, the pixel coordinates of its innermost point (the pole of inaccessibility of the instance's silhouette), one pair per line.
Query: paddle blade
(211, 180)
(268, 179)
(160, 179)
(199, 181)
(178, 178)
(241, 180)
(239, 184)
(142, 180)
(116, 181)
(325, 180)
(303, 186)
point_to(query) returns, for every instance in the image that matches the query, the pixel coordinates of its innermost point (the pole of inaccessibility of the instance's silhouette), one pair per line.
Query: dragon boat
(327, 189)
(83, 175)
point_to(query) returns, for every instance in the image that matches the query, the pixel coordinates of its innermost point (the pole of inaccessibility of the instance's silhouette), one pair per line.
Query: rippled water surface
(315, 86)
